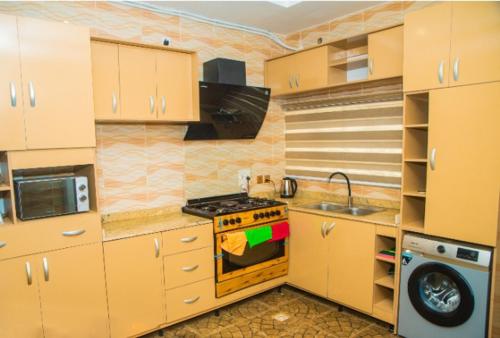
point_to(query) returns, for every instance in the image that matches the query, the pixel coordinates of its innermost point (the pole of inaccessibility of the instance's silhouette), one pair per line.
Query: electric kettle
(288, 187)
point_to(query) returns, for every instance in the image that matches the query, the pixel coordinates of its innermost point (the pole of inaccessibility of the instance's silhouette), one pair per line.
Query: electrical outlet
(260, 179)
(267, 178)
(242, 179)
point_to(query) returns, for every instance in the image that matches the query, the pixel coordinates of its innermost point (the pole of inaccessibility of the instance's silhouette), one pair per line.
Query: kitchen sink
(343, 209)
(359, 211)
(324, 206)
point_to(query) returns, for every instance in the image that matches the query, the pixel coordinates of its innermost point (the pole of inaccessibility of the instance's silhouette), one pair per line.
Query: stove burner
(229, 204)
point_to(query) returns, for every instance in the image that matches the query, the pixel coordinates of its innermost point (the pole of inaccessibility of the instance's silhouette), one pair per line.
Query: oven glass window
(252, 256)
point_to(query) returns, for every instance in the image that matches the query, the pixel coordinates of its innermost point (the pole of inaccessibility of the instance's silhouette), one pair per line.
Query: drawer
(191, 299)
(47, 234)
(189, 267)
(186, 239)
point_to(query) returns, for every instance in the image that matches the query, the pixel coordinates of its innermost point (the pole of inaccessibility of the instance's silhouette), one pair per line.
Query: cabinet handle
(163, 104)
(151, 104)
(45, 269)
(433, 159)
(456, 65)
(323, 229)
(440, 72)
(189, 239)
(290, 81)
(13, 95)
(157, 247)
(29, 277)
(2, 244)
(330, 228)
(297, 82)
(73, 233)
(189, 268)
(113, 103)
(191, 300)
(31, 89)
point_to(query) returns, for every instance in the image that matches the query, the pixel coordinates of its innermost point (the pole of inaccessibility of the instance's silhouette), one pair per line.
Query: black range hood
(228, 110)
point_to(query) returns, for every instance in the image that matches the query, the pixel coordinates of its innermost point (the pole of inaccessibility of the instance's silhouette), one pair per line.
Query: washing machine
(445, 288)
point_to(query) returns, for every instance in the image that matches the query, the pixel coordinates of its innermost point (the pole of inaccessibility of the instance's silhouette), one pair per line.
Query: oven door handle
(189, 268)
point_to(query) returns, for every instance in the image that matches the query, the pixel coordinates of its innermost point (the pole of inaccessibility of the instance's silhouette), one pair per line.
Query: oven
(256, 265)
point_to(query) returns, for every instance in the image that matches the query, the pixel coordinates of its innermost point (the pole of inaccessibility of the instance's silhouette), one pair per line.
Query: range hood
(228, 108)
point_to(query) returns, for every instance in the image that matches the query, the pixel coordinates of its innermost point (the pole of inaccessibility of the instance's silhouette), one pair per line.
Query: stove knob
(232, 221)
(267, 214)
(273, 213)
(278, 212)
(255, 216)
(83, 198)
(441, 249)
(238, 220)
(261, 215)
(225, 222)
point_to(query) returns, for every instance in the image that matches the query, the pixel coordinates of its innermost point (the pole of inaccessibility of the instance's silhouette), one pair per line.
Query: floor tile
(375, 331)
(340, 324)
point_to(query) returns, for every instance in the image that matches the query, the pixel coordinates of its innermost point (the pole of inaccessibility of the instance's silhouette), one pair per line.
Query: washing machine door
(440, 294)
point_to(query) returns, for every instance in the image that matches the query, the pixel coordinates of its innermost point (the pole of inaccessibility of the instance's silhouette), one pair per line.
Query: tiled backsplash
(146, 166)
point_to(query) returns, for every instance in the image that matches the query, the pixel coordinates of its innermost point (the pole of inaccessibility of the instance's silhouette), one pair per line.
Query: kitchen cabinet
(350, 267)
(66, 286)
(11, 98)
(137, 83)
(134, 279)
(308, 265)
(427, 34)
(278, 75)
(106, 80)
(385, 53)
(190, 299)
(475, 42)
(463, 155)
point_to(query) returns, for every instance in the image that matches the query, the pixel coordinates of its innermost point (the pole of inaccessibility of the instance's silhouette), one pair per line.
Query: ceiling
(267, 15)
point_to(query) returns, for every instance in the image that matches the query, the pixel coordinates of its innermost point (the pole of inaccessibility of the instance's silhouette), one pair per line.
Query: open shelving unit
(6, 193)
(348, 60)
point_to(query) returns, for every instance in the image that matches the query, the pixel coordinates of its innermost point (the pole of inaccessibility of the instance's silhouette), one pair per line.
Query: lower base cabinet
(66, 288)
(190, 299)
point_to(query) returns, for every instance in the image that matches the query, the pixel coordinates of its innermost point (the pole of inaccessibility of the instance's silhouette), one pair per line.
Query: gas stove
(236, 210)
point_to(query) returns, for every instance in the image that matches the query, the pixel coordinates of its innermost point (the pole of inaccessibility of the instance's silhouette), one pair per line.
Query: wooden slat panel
(367, 123)
(345, 164)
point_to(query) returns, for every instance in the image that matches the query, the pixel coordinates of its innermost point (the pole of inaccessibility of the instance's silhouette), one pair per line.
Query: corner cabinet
(333, 258)
(53, 99)
(135, 82)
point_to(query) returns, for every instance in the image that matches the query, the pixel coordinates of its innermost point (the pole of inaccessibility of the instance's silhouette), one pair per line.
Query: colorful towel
(280, 231)
(235, 243)
(258, 235)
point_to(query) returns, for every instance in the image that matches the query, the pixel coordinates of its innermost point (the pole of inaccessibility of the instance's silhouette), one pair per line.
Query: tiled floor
(308, 316)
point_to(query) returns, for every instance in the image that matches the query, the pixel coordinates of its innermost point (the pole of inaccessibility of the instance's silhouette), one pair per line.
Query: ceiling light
(285, 3)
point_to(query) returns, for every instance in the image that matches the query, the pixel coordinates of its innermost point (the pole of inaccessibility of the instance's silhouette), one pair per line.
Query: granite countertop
(118, 226)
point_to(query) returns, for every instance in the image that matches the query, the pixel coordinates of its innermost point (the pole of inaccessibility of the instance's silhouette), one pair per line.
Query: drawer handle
(189, 239)
(28, 273)
(191, 300)
(189, 268)
(73, 233)
(2, 244)
(45, 269)
(330, 228)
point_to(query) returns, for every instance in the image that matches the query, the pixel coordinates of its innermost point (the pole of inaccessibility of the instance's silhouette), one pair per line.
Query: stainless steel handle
(163, 104)
(189, 239)
(330, 228)
(74, 232)
(323, 229)
(189, 268)
(433, 159)
(31, 89)
(440, 72)
(456, 65)
(191, 300)
(13, 95)
(370, 66)
(297, 82)
(2, 244)
(113, 103)
(45, 269)
(157, 247)
(28, 273)
(290, 81)
(151, 104)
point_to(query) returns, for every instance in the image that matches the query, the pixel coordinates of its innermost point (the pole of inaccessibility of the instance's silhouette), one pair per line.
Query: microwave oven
(48, 196)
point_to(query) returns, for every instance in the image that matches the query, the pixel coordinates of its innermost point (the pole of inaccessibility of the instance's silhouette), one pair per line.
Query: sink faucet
(349, 198)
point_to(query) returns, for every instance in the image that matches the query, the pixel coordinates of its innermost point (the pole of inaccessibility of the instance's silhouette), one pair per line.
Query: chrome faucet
(349, 198)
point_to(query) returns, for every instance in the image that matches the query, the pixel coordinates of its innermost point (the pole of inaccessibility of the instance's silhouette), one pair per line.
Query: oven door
(259, 257)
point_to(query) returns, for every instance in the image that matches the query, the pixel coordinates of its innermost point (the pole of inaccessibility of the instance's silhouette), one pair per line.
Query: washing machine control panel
(468, 254)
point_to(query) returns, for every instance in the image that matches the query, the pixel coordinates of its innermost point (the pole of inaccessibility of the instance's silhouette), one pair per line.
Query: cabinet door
(311, 69)
(351, 251)
(134, 278)
(175, 86)
(427, 35)
(308, 252)
(57, 82)
(20, 314)
(279, 75)
(72, 292)
(106, 80)
(11, 98)
(475, 42)
(137, 83)
(385, 53)
(464, 125)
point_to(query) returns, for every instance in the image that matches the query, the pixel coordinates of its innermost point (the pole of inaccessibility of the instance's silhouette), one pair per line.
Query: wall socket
(263, 179)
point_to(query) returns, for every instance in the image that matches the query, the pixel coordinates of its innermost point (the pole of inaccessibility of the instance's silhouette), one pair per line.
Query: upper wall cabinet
(51, 107)
(137, 83)
(373, 56)
(451, 44)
